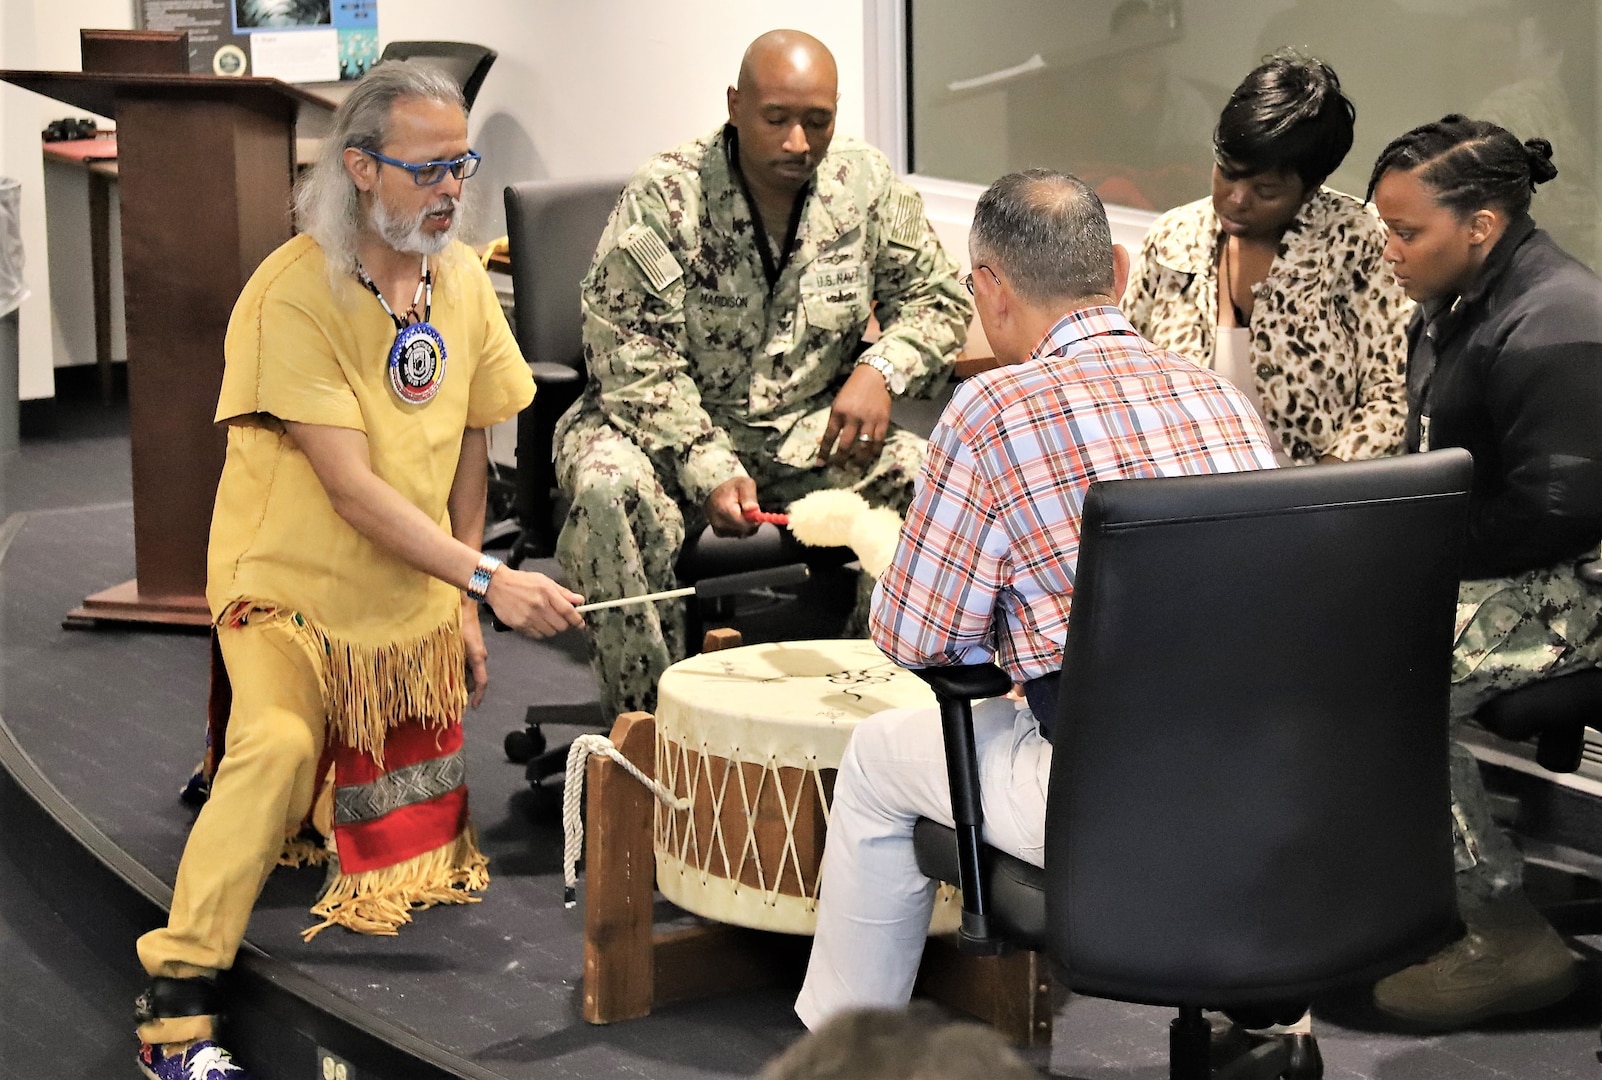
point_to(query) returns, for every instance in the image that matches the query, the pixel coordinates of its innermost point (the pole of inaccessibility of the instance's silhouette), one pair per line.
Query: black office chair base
(1237, 1052)
(1306, 1063)
(1191, 1053)
(531, 544)
(544, 801)
(523, 745)
(528, 743)
(1269, 1060)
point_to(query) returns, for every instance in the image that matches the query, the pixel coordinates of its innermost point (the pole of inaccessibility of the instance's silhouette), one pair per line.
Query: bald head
(783, 108)
(783, 56)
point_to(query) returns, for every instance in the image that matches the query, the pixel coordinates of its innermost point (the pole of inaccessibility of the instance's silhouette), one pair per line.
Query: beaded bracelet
(478, 584)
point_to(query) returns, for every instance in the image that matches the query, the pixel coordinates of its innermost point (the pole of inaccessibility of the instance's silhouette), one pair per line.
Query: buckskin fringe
(382, 901)
(303, 851)
(367, 689)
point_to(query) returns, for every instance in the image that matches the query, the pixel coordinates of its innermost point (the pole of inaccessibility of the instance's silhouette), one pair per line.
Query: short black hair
(1470, 164)
(1290, 116)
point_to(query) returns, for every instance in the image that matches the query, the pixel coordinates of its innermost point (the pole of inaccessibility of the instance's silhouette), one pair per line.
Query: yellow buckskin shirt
(299, 349)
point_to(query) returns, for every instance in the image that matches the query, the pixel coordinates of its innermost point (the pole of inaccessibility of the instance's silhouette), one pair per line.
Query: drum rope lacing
(682, 839)
(573, 794)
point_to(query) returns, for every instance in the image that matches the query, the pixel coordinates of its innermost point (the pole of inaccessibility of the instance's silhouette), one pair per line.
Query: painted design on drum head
(845, 679)
(859, 677)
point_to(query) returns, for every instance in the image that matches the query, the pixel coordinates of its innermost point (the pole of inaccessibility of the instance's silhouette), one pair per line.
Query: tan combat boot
(1510, 961)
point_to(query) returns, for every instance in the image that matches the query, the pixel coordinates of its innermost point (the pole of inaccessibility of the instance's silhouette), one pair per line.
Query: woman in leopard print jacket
(1279, 283)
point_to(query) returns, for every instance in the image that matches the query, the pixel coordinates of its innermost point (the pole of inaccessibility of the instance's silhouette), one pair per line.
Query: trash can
(12, 293)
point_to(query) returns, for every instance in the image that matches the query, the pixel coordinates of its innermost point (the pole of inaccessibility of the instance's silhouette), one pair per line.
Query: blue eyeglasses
(430, 173)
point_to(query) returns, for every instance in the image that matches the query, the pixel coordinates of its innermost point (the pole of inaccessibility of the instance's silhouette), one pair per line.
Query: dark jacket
(1511, 370)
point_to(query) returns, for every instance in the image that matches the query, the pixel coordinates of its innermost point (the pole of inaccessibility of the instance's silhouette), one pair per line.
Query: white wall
(578, 89)
(591, 88)
(43, 34)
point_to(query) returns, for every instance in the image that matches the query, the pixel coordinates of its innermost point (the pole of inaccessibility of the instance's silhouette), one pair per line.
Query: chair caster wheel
(546, 803)
(524, 746)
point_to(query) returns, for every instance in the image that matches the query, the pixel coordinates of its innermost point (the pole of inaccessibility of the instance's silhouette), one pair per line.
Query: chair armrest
(970, 682)
(548, 374)
(955, 688)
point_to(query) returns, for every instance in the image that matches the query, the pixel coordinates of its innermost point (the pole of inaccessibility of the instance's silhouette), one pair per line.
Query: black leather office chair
(1249, 797)
(1553, 712)
(552, 229)
(468, 64)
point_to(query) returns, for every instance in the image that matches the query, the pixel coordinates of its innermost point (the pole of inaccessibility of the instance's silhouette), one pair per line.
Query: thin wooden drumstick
(706, 588)
(671, 594)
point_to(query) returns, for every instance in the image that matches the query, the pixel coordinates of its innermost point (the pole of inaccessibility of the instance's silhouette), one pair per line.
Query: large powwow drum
(753, 737)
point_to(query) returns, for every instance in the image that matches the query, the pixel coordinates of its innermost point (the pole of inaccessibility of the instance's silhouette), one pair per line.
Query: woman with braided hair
(1504, 360)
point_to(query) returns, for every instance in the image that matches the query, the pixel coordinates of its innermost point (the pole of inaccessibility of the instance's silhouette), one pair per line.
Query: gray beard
(407, 234)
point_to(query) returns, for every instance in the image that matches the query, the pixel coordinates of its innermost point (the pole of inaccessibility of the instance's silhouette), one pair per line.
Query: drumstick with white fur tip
(836, 518)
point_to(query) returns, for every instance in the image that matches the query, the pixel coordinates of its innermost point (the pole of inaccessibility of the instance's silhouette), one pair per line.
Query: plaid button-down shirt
(985, 567)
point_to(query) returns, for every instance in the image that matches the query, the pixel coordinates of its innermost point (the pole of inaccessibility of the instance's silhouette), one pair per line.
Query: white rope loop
(573, 793)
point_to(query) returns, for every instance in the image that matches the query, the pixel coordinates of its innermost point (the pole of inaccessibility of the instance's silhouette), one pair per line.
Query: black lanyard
(425, 293)
(771, 268)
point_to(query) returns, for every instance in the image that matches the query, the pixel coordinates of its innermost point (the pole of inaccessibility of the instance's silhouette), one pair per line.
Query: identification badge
(417, 364)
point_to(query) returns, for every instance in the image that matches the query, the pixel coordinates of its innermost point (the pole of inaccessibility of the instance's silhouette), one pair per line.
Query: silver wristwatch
(893, 380)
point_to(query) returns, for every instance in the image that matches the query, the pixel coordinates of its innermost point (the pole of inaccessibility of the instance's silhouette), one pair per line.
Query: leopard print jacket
(1328, 322)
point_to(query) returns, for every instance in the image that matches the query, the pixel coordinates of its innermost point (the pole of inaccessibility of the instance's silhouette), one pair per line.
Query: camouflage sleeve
(1374, 315)
(635, 345)
(923, 310)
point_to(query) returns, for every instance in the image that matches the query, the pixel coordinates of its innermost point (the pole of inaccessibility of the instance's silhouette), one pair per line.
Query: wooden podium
(206, 165)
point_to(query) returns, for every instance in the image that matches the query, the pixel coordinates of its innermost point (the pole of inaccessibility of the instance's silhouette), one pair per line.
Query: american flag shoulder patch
(651, 255)
(906, 218)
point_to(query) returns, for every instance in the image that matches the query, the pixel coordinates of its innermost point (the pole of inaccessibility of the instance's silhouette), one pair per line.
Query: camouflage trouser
(1510, 632)
(627, 521)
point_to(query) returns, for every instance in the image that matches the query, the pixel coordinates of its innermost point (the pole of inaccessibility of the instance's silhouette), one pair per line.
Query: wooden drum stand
(631, 967)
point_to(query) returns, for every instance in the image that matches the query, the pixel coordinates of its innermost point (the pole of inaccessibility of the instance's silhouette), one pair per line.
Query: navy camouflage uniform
(1511, 631)
(699, 371)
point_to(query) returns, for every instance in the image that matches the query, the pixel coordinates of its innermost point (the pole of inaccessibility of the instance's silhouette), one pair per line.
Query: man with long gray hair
(984, 568)
(363, 362)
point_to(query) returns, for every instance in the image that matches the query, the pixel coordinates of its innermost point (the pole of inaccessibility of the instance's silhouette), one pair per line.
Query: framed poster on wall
(301, 41)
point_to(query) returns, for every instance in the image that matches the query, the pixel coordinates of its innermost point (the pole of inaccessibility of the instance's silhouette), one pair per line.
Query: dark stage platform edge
(100, 728)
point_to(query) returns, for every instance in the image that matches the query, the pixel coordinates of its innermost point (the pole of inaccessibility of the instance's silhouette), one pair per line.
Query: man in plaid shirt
(985, 567)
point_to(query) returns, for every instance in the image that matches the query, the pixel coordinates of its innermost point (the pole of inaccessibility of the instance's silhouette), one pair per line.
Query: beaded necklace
(417, 359)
